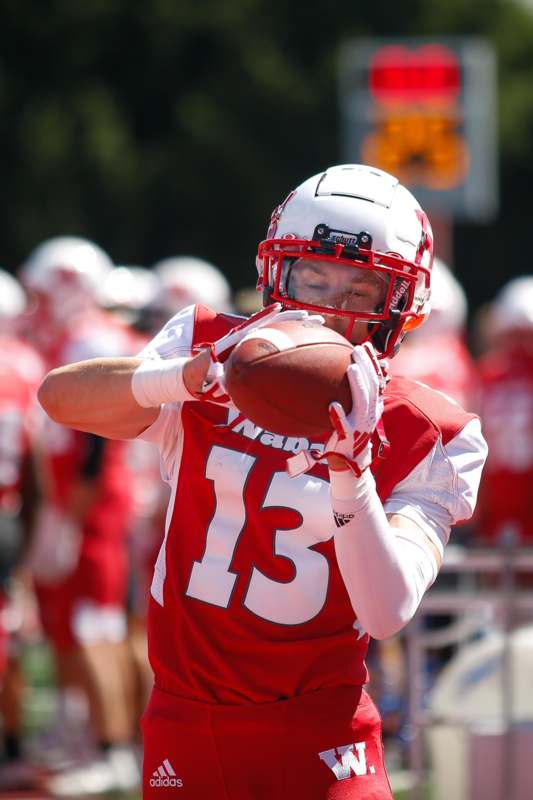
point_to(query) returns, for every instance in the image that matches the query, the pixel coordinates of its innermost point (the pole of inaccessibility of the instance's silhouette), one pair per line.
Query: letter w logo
(347, 760)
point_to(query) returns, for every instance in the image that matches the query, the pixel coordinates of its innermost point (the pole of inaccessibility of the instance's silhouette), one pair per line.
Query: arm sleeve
(387, 570)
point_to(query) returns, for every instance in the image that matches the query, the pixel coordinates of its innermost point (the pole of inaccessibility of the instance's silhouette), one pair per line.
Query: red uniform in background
(506, 409)
(79, 553)
(90, 572)
(436, 354)
(21, 370)
(446, 366)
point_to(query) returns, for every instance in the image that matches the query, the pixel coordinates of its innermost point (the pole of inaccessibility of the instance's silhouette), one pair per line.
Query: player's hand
(349, 446)
(204, 375)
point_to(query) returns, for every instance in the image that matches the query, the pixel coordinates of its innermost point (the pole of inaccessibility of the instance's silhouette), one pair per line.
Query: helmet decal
(276, 216)
(426, 238)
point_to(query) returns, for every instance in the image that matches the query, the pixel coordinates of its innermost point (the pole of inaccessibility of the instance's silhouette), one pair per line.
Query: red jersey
(506, 409)
(248, 604)
(21, 370)
(69, 455)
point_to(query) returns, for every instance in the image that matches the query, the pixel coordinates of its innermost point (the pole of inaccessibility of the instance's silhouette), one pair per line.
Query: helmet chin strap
(386, 330)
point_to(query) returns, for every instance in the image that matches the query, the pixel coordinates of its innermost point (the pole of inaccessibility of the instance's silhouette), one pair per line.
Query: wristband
(155, 382)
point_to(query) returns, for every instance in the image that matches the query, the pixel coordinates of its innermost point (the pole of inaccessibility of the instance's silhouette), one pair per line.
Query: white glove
(352, 432)
(213, 388)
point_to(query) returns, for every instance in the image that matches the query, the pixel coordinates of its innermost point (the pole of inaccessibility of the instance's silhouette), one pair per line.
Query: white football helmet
(512, 309)
(69, 271)
(129, 287)
(12, 298)
(371, 243)
(186, 280)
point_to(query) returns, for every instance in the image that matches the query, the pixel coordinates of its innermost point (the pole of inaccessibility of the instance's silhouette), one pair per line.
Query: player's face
(337, 286)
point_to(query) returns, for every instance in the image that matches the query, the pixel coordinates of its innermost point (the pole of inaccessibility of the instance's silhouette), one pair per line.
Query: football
(284, 376)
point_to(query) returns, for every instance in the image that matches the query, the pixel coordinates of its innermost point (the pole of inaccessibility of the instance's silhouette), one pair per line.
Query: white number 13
(291, 603)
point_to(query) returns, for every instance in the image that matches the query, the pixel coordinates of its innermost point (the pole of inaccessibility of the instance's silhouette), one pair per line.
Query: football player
(21, 371)
(79, 552)
(277, 566)
(184, 281)
(507, 412)
(435, 354)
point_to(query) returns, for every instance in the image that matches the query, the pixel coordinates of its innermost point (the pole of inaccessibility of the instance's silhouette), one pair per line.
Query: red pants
(322, 746)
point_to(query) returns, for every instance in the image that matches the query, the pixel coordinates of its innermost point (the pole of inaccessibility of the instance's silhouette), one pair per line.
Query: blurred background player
(21, 370)
(130, 293)
(506, 409)
(145, 300)
(79, 553)
(436, 353)
(185, 281)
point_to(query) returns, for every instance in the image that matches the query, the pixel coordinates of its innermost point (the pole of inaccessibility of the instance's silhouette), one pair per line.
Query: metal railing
(505, 601)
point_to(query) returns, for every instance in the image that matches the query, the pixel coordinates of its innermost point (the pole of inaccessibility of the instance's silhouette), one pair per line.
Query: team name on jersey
(290, 444)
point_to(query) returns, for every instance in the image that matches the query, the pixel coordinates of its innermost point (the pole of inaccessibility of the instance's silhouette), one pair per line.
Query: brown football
(284, 376)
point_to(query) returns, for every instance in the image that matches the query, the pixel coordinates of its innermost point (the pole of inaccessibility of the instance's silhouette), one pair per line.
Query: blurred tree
(161, 127)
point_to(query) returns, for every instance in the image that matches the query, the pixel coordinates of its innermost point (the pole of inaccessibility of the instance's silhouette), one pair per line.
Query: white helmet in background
(186, 280)
(69, 271)
(512, 308)
(448, 303)
(130, 288)
(369, 228)
(12, 301)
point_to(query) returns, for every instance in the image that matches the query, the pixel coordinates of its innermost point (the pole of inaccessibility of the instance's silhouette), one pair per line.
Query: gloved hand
(352, 432)
(213, 388)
